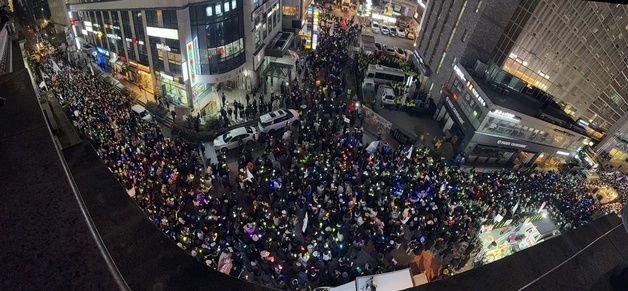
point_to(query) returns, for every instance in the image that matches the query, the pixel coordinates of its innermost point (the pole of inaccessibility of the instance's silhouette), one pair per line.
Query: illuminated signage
(197, 57)
(384, 18)
(503, 114)
(112, 27)
(507, 143)
(459, 73)
(161, 46)
(162, 32)
(476, 94)
(583, 123)
(453, 109)
(166, 76)
(193, 64)
(84, 31)
(184, 71)
(562, 153)
(102, 51)
(87, 23)
(113, 36)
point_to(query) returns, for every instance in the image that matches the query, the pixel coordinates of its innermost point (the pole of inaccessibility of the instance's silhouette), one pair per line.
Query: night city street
(342, 145)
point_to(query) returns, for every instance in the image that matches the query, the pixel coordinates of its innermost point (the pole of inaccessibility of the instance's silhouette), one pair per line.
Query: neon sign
(193, 63)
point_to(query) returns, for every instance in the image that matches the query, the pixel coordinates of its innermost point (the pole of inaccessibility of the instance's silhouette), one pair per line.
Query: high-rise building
(58, 14)
(572, 51)
(186, 51)
(500, 77)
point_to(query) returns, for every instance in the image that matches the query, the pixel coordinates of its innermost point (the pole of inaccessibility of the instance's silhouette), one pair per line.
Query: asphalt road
(393, 41)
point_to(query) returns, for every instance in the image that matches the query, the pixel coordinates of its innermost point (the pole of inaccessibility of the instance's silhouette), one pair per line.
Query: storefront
(489, 133)
(505, 238)
(173, 88)
(140, 75)
(454, 124)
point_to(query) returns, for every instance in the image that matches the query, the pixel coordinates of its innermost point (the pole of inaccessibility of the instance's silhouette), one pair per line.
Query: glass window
(218, 9)
(233, 4)
(226, 6)
(170, 18)
(151, 18)
(209, 11)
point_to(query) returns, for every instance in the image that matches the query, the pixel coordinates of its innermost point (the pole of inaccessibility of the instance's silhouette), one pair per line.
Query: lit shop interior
(505, 238)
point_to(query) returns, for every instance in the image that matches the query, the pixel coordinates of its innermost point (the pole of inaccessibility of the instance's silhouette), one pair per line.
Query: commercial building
(571, 51)
(493, 124)
(615, 142)
(59, 15)
(187, 51)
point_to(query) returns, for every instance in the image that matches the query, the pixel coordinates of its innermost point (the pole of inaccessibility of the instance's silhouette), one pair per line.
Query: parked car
(401, 32)
(141, 112)
(375, 27)
(385, 30)
(393, 31)
(278, 119)
(401, 53)
(236, 137)
(379, 46)
(390, 51)
(411, 35)
(387, 96)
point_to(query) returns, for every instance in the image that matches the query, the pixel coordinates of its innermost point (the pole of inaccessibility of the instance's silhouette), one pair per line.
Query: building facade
(59, 15)
(571, 51)
(186, 51)
(492, 124)
(615, 143)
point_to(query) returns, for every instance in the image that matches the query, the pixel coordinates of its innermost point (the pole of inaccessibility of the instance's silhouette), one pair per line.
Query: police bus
(385, 75)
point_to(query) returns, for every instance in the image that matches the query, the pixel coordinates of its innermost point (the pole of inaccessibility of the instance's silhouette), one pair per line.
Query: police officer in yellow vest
(398, 102)
(410, 104)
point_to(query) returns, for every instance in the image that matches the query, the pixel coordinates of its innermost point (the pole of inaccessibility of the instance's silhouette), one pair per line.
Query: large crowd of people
(318, 207)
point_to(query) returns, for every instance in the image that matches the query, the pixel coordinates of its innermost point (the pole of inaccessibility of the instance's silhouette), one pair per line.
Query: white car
(388, 96)
(375, 27)
(278, 119)
(235, 137)
(385, 30)
(142, 112)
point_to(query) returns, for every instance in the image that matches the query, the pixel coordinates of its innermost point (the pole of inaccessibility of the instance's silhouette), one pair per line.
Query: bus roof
(385, 69)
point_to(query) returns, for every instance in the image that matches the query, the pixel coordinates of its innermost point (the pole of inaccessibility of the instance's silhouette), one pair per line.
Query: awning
(279, 44)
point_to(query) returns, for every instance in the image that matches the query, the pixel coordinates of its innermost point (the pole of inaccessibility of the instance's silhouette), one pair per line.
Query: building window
(209, 11)
(151, 18)
(170, 19)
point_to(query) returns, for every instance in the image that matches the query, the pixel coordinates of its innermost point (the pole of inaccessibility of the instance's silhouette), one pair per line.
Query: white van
(387, 96)
(278, 119)
(142, 112)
